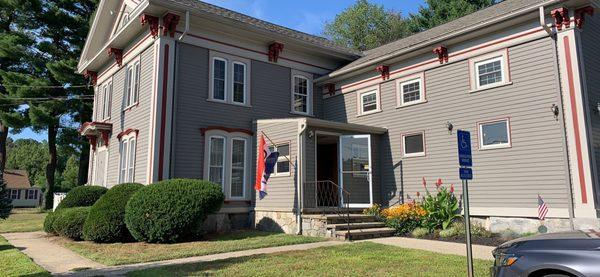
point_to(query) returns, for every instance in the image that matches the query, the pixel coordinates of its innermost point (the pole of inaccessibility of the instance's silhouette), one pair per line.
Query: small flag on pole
(264, 166)
(542, 208)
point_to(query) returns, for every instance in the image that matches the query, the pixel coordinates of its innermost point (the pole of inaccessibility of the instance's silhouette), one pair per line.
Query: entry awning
(94, 130)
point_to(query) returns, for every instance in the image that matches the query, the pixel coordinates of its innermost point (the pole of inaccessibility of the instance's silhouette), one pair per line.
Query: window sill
(490, 87)
(106, 120)
(415, 155)
(302, 114)
(130, 107)
(229, 103)
(274, 175)
(411, 104)
(369, 113)
(494, 147)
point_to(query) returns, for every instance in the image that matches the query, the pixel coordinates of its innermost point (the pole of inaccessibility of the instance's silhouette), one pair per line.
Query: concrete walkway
(51, 256)
(479, 251)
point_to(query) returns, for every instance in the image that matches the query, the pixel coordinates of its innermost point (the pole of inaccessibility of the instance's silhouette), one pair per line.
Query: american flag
(542, 208)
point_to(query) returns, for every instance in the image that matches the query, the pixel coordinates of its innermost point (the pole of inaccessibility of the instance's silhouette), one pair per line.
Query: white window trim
(227, 168)
(494, 146)
(420, 77)
(107, 99)
(417, 154)
(230, 61)
(27, 194)
(287, 159)
(15, 193)
(245, 181)
(126, 161)
(502, 56)
(372, 89)
(309, 93)
(127, 96)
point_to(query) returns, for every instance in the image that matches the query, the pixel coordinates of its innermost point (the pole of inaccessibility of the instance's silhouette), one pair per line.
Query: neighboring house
(21, 192)
(183, 89)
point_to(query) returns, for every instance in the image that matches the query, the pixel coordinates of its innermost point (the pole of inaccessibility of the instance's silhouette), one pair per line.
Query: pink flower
(452, 188)
(438, 183)
(424, 183)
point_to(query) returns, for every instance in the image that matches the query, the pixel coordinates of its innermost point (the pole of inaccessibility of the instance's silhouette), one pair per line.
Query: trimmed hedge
(49, 221)
(83, 196)
(106, 221)
(172, 209)
(69, 222)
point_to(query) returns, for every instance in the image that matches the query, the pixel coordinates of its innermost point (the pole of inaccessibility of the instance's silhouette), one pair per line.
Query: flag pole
(274, 144)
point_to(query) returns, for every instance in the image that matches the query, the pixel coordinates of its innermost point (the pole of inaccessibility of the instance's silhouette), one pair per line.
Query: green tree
(365, 26)
(437, 12)
(5, 202)
(29, 155)
(69, 175)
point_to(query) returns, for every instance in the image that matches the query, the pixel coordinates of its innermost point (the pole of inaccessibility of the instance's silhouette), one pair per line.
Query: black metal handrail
(327, 197)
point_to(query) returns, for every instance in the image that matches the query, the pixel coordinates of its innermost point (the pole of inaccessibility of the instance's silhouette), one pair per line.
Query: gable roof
(264, 25)
(473, 21)
(16, 179)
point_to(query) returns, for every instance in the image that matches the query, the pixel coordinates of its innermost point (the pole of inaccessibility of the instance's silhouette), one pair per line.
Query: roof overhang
(95, 128)
(321, 123)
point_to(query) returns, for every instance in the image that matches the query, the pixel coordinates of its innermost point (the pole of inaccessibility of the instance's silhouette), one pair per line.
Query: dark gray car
(558, 254)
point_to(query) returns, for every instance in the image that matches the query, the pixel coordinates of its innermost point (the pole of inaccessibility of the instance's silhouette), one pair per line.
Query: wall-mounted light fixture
(449, 126)
(555, 111)
(311, 134)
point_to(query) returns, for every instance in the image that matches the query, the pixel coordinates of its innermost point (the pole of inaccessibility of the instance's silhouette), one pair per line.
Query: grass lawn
(15, 263)
(138, 252)
(356, 259)
(23, 220)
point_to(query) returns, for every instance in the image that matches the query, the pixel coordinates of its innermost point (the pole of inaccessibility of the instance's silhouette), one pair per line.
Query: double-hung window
(282, 167)
(489, 70)
(300, 95)
(494, 134)
(413, 144)
(132, 84)
(127, 149)
(229, 79)
(227, 161)
(14, 194)
(106, 100)
(410, 90)
(31, 194)
(368, 101)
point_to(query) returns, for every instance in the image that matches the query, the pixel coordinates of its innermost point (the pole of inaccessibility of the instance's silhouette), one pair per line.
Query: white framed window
(413, 144)
(490, 70)
(127, 156)
(301, 94)
(106, 100)
(229, 79)
(368, 100)
(282, 167)
(227, 162)
(410, 90)
(31, 194)
(14, 194)
(494, 134)
(132, 84)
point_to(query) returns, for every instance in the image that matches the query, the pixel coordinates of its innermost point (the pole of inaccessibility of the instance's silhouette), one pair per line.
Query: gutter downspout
(299, 173)
(187, 25)
(561, 119)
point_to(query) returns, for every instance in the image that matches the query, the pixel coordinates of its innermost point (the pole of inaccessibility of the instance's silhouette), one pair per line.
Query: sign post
(466, 173)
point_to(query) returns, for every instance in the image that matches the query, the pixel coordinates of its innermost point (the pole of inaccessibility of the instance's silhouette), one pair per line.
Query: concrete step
(367, 233)
(358, 225)
(341, 218)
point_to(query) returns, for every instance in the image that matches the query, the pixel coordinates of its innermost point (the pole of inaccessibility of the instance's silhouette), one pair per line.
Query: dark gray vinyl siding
(509, 177)
(590, 39)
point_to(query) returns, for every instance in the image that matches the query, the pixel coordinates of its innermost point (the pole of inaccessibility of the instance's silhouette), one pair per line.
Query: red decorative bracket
(275, 49)
(92, 140)
(170, 21)
(117, 54)
(330, 87)
(152, 21)
(92, 75)
(127, 132)
(561, 18)
(442, 53)
(580, 15)
(384, 70)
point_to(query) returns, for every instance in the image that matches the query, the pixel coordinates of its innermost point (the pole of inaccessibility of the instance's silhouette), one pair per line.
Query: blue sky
(307, 16)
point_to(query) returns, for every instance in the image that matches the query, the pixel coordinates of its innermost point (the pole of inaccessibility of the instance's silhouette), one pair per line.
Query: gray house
(183, 89)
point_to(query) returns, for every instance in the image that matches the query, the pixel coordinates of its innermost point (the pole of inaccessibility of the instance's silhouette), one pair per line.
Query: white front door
(355, 170)
(100, 173)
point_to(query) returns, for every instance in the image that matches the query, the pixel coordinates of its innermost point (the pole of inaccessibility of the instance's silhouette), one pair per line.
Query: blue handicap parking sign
(464, 148)
(465, 173)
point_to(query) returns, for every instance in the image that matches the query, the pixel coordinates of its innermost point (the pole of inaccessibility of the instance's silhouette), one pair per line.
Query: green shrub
(106, 221)
(82, 196)
(171, 210)
(49, 221)
(477, 229)
(442, 207)
(420, 232)
(374, 210)
(448, 233)
(69, 222)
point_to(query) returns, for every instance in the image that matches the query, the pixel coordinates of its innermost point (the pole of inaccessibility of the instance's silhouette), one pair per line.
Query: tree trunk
(51, 166)
(84, 158)
(3, 136)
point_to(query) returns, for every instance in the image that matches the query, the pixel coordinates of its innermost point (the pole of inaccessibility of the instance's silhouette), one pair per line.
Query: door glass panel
(355, 154)
(356, 169)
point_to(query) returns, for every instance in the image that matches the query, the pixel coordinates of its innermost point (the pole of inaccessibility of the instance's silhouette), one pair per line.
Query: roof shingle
(16, 179)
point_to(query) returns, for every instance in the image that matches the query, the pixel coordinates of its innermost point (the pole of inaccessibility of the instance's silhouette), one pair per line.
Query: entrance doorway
(327, 169)
(355, 173)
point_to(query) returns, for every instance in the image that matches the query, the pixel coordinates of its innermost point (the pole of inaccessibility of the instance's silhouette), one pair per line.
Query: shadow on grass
(238, 235)
(6, 247)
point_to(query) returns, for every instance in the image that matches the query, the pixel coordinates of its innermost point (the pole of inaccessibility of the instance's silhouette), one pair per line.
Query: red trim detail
(170, 21)
(580, 15)
(275, 50)
(384, 70)
(105, 138)
(92, 140)
(127, 132)
(117, 54)
(125, 55)
(226, 129)
(561, 17)
(92, 75)
(94, 123)
(152, 21)
(442, 53)
(572, 96)
(163, 111)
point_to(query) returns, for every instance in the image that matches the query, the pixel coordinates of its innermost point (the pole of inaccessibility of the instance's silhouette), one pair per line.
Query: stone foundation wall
(315, 227)
(530, 225)
(275, 221)
(225, 222)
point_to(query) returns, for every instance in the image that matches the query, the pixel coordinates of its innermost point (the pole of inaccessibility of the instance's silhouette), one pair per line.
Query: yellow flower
(404, 212)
